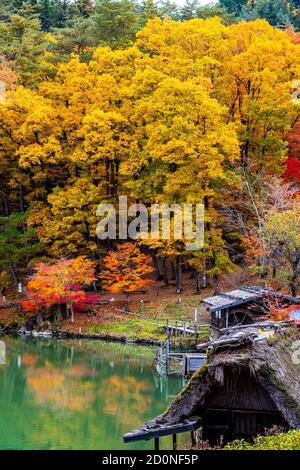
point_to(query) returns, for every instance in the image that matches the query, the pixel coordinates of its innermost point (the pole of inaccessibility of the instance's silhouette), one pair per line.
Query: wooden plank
(151, 433)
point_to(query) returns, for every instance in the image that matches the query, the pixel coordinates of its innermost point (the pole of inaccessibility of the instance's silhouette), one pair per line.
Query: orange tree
(60, 284)
(125, 269)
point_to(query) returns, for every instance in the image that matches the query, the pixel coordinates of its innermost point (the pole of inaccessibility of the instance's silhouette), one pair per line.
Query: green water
(71, 394)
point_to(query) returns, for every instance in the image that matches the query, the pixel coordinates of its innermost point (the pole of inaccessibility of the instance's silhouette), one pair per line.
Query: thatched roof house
(245, 305)
(251, 381)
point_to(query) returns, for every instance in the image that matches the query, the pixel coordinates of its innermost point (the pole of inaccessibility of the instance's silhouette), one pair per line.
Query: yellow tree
(67, 225)
(187, 151)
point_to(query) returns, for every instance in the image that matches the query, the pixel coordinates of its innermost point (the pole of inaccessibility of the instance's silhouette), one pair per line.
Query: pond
(72, 394)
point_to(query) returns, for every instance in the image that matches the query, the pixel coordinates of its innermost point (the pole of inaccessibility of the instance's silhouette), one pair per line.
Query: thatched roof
(263, 353)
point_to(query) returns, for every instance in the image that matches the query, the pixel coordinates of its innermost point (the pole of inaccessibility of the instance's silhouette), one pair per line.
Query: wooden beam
(142, 434)
(174, 438)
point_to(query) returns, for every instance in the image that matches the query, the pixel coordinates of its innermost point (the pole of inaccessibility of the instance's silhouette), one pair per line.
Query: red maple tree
(59, 284)
(126, 268)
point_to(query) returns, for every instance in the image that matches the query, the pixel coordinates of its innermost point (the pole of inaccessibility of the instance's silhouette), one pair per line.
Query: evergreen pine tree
(115, 22)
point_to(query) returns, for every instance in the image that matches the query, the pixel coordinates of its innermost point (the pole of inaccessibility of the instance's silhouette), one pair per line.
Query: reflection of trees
(29, 359)
(76, 395)
(61, 388)
(127, 399)
(119, 353)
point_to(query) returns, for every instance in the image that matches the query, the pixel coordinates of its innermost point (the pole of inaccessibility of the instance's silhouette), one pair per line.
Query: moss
(272, 339)
(130, 329)
(188, 388)
(284, 441)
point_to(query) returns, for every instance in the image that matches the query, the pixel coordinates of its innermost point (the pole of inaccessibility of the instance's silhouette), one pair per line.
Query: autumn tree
(125, 269)
(60, 284)
(194, 111)
(68, 224)
(284, 229)
(271, 242)
(292, 171)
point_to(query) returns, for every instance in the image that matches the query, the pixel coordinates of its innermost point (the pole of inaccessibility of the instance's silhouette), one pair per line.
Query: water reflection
(68, 394)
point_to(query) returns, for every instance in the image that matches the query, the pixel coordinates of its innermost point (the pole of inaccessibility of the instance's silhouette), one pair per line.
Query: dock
(155, 431)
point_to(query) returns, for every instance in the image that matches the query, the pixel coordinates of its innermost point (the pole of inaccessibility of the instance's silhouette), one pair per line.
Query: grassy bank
(109, 320)
(132, 329)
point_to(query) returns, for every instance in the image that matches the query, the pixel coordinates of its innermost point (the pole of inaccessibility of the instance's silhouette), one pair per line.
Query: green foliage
(53, 13)
(82, 8)
(234, 6)
(148, 9)
(276, 12)
(209, 11)
(115, 22)
(23, 43)
(75, 38)
(279, 13)
(189, 10)
(286, 441)
(18, 243)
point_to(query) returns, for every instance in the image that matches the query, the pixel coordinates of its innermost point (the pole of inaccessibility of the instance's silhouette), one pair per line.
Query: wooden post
(176, 332)
(156, 443)
(184, 329)
(174, 436)
(193, 440)
(184, 365)
(167, 354)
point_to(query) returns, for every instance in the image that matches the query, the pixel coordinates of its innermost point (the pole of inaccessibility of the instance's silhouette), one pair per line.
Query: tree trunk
(158, 276)
(5, 200)
(198, 290)
(178, 274)
(293, 289)
(165, 272)
(72, 314)
(14, 273)
(295, 275)
(173, 272)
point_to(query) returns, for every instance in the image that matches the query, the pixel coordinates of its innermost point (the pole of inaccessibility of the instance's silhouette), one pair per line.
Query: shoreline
(105, 337)
(63, 334)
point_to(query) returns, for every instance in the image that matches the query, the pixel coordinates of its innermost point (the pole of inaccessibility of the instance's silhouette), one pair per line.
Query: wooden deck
(155, 431)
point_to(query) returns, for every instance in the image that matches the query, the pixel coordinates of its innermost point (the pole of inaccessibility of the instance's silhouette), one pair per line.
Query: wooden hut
(250, 382)
(245, 305)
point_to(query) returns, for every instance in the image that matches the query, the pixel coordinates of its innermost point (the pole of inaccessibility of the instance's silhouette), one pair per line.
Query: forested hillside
(163, 104)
